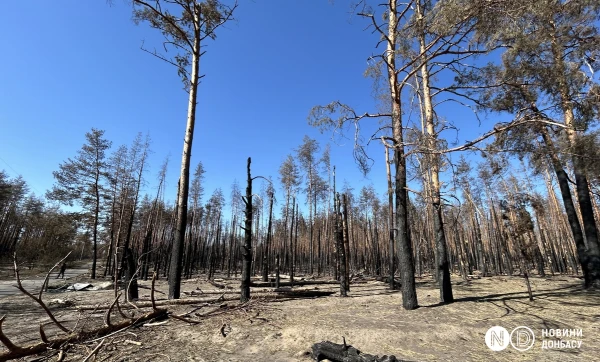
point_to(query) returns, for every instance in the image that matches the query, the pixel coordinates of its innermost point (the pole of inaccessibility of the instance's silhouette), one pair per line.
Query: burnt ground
(371, 319)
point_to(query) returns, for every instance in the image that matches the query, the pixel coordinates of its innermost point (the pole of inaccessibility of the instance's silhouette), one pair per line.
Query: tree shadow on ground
(568, 291)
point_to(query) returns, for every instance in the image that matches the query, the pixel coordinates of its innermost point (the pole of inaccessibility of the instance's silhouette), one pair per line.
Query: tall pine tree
(82, 180)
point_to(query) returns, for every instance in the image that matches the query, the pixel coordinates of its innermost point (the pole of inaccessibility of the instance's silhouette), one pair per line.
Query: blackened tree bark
(131, 284)
(277, 271)
(390, 215)
(265, 266)
(565, 192)
(339, 238)
(247, 253)
(405, 254)
(291, 251)
(443, 269)
(346, 245)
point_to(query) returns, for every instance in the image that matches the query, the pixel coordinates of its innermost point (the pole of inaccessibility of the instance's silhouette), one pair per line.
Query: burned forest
(438, 202)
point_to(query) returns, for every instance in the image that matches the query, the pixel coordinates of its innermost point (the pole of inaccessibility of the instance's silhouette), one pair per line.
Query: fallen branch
(295, 293)
(18, 352)
(38, 299)
(266, 294)
(101, 333)
(386, 280)
(283, 276)
(148, 288)
(217, 285)
(184, 319)
(107, 315)
(295, 284)
(224, 308)
(154, 324)
(94, 351)
(200, 292)
(45, 283)
(166, 302)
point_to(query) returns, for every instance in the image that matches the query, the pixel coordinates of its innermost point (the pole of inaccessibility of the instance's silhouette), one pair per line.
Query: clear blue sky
(72, 65)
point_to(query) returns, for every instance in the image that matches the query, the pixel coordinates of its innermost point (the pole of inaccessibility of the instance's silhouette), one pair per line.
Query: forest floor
(371, 319)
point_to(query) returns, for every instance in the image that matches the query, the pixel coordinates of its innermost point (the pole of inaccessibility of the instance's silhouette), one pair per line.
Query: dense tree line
(39, 230)
(498, 227)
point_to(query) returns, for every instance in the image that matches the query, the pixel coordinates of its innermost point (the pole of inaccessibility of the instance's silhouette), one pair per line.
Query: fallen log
(201, 292)
(267, 294)
(397, 283)
(218, 285)
(283, 276)
(345, 353)
(361, 281)
(166, 302)
(295, 293)
(295, 284)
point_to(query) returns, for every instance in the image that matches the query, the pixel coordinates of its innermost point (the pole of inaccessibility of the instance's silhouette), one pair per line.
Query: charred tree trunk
(95, 226)
(295, 251)
(563, 182)
(247, 262)
(405, 254)
(592, 252)
(443, 269)
(265, 263)
(277, 271)
(346, 245)
(291, 250)
(335, 235)
(390, 217)
(131, 284)
(339, 237)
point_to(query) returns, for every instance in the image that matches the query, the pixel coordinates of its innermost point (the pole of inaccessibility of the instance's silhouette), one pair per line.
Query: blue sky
(70, 66)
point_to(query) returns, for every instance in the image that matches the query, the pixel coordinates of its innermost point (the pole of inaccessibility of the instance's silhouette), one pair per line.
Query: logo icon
(497, 338)
(522, 338)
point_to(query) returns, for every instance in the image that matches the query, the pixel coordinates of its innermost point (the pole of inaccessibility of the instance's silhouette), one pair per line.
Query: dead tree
(277, 271)
(346, 238)
(292, 260)
(339, 238)
(390, 214)
(265, 264)
(247, 262)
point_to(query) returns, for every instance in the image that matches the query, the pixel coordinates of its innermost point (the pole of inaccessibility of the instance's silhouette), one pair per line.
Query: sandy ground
(371, 319)
(32, 279)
